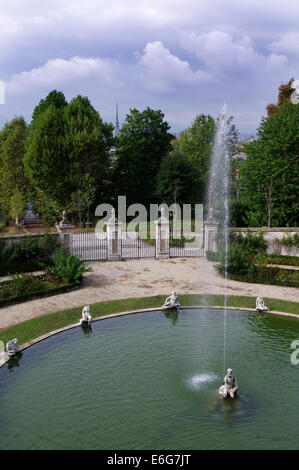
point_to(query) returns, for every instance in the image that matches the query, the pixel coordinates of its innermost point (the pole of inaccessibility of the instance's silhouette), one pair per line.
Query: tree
(285, 92)
(12, 149)
(143, 141)
(17, 207)
(196, 143)
(67, 144)
(270, 174)
(177, 179)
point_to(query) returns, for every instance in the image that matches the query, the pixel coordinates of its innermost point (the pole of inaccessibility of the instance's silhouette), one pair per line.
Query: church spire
(116, 128)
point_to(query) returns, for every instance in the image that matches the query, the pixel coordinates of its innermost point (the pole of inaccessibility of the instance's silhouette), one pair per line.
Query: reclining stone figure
(172, 301)
(260, 305)
(12, 347)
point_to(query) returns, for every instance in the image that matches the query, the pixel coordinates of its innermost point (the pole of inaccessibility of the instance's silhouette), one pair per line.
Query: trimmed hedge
(29, 266)
(281, 259)
(270, 275)
(39, 293)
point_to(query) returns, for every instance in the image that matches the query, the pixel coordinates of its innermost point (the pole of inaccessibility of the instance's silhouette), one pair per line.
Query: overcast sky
(181, 56)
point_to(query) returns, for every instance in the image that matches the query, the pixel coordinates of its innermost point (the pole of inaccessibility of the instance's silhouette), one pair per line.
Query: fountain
(218, 197)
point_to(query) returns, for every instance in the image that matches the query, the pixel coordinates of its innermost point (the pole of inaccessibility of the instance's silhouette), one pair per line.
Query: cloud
(288, 44)
(164, 71)
(191, 56)
(220, 52)
(58, 72)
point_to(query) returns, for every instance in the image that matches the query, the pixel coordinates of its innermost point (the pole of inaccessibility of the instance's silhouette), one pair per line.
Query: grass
(36, 327)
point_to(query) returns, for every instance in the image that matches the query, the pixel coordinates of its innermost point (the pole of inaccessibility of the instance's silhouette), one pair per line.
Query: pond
(149, 381)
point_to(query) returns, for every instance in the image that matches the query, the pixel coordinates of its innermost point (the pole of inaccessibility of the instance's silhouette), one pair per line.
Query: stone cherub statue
(86, 316)
(260, 305)
(12, 347)
(230, 386)
(172, 301)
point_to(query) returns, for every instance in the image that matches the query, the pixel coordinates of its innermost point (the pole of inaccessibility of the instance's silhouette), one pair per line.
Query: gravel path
(142, 278)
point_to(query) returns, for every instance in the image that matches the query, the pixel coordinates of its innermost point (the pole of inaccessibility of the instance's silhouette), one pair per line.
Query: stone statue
(260, 305)
(64, 220)
(172, 301)
(230, 386)
(12, 347)
(86, 316)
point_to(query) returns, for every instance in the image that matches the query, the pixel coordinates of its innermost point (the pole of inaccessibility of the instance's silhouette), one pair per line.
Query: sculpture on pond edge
(12, 347)
(230, 386)
(260, 305)
(86, 316)
(172, 301)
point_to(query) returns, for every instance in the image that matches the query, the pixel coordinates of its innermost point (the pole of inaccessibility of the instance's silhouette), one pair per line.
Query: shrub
(237, 262)
(212, 255)
(69, 268)
(28, 248)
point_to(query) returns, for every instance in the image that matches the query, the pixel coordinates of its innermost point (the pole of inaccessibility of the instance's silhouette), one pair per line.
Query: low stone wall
(271, 236)
(10, 240)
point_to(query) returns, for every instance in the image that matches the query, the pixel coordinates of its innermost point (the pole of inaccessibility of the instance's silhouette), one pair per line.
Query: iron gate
(180, 247)
(90, 246)
(132, 247)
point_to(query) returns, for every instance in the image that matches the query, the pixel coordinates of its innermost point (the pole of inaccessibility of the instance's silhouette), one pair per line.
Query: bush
(237, 262)
(253, 244)
(28, 248)
(212, 255)
(69, 268)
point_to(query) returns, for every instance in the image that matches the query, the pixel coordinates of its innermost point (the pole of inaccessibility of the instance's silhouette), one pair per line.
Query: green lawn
(36, 327)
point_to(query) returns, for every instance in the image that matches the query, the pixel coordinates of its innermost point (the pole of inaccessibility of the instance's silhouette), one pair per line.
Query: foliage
(289, 241)
(212, 255)
(238, 212)
(143, 141)
(265, 259)
(17, 207)
(12, 175)
(285, 92)
(66, 147)
(251, 243)
(25, 287)
(28, 248)
(237, 262)
(69, 268)
(269, 176)
(177, 179)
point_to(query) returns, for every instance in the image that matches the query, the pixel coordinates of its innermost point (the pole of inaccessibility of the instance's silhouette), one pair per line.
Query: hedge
(39, 293)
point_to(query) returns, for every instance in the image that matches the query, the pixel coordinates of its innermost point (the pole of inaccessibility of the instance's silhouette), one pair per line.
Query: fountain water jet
(218, 194)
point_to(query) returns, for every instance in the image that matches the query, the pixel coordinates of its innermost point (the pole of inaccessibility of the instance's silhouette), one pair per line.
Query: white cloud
(58, 72)
(163, 71)
(288, 43)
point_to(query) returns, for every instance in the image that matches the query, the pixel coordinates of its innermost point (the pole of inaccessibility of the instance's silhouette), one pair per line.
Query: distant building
(116, 128)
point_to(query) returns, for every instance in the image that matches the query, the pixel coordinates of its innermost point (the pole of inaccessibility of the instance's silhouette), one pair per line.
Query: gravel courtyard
(142, 278)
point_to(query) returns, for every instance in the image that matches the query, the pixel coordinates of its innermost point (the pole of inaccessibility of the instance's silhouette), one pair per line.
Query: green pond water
(143, 382)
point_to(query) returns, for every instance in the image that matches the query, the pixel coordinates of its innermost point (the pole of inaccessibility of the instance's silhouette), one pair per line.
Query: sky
(184, 57)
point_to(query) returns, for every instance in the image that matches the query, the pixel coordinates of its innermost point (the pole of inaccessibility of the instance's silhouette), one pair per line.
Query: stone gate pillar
(162, 236)
(114, 234)
(65, 230)
(211, 229)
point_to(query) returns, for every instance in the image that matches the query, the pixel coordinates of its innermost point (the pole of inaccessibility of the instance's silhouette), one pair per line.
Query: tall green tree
(67, 147)
(143, 141)
(270, 175)
(12, 150)
(196, 143)
(177, 180)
